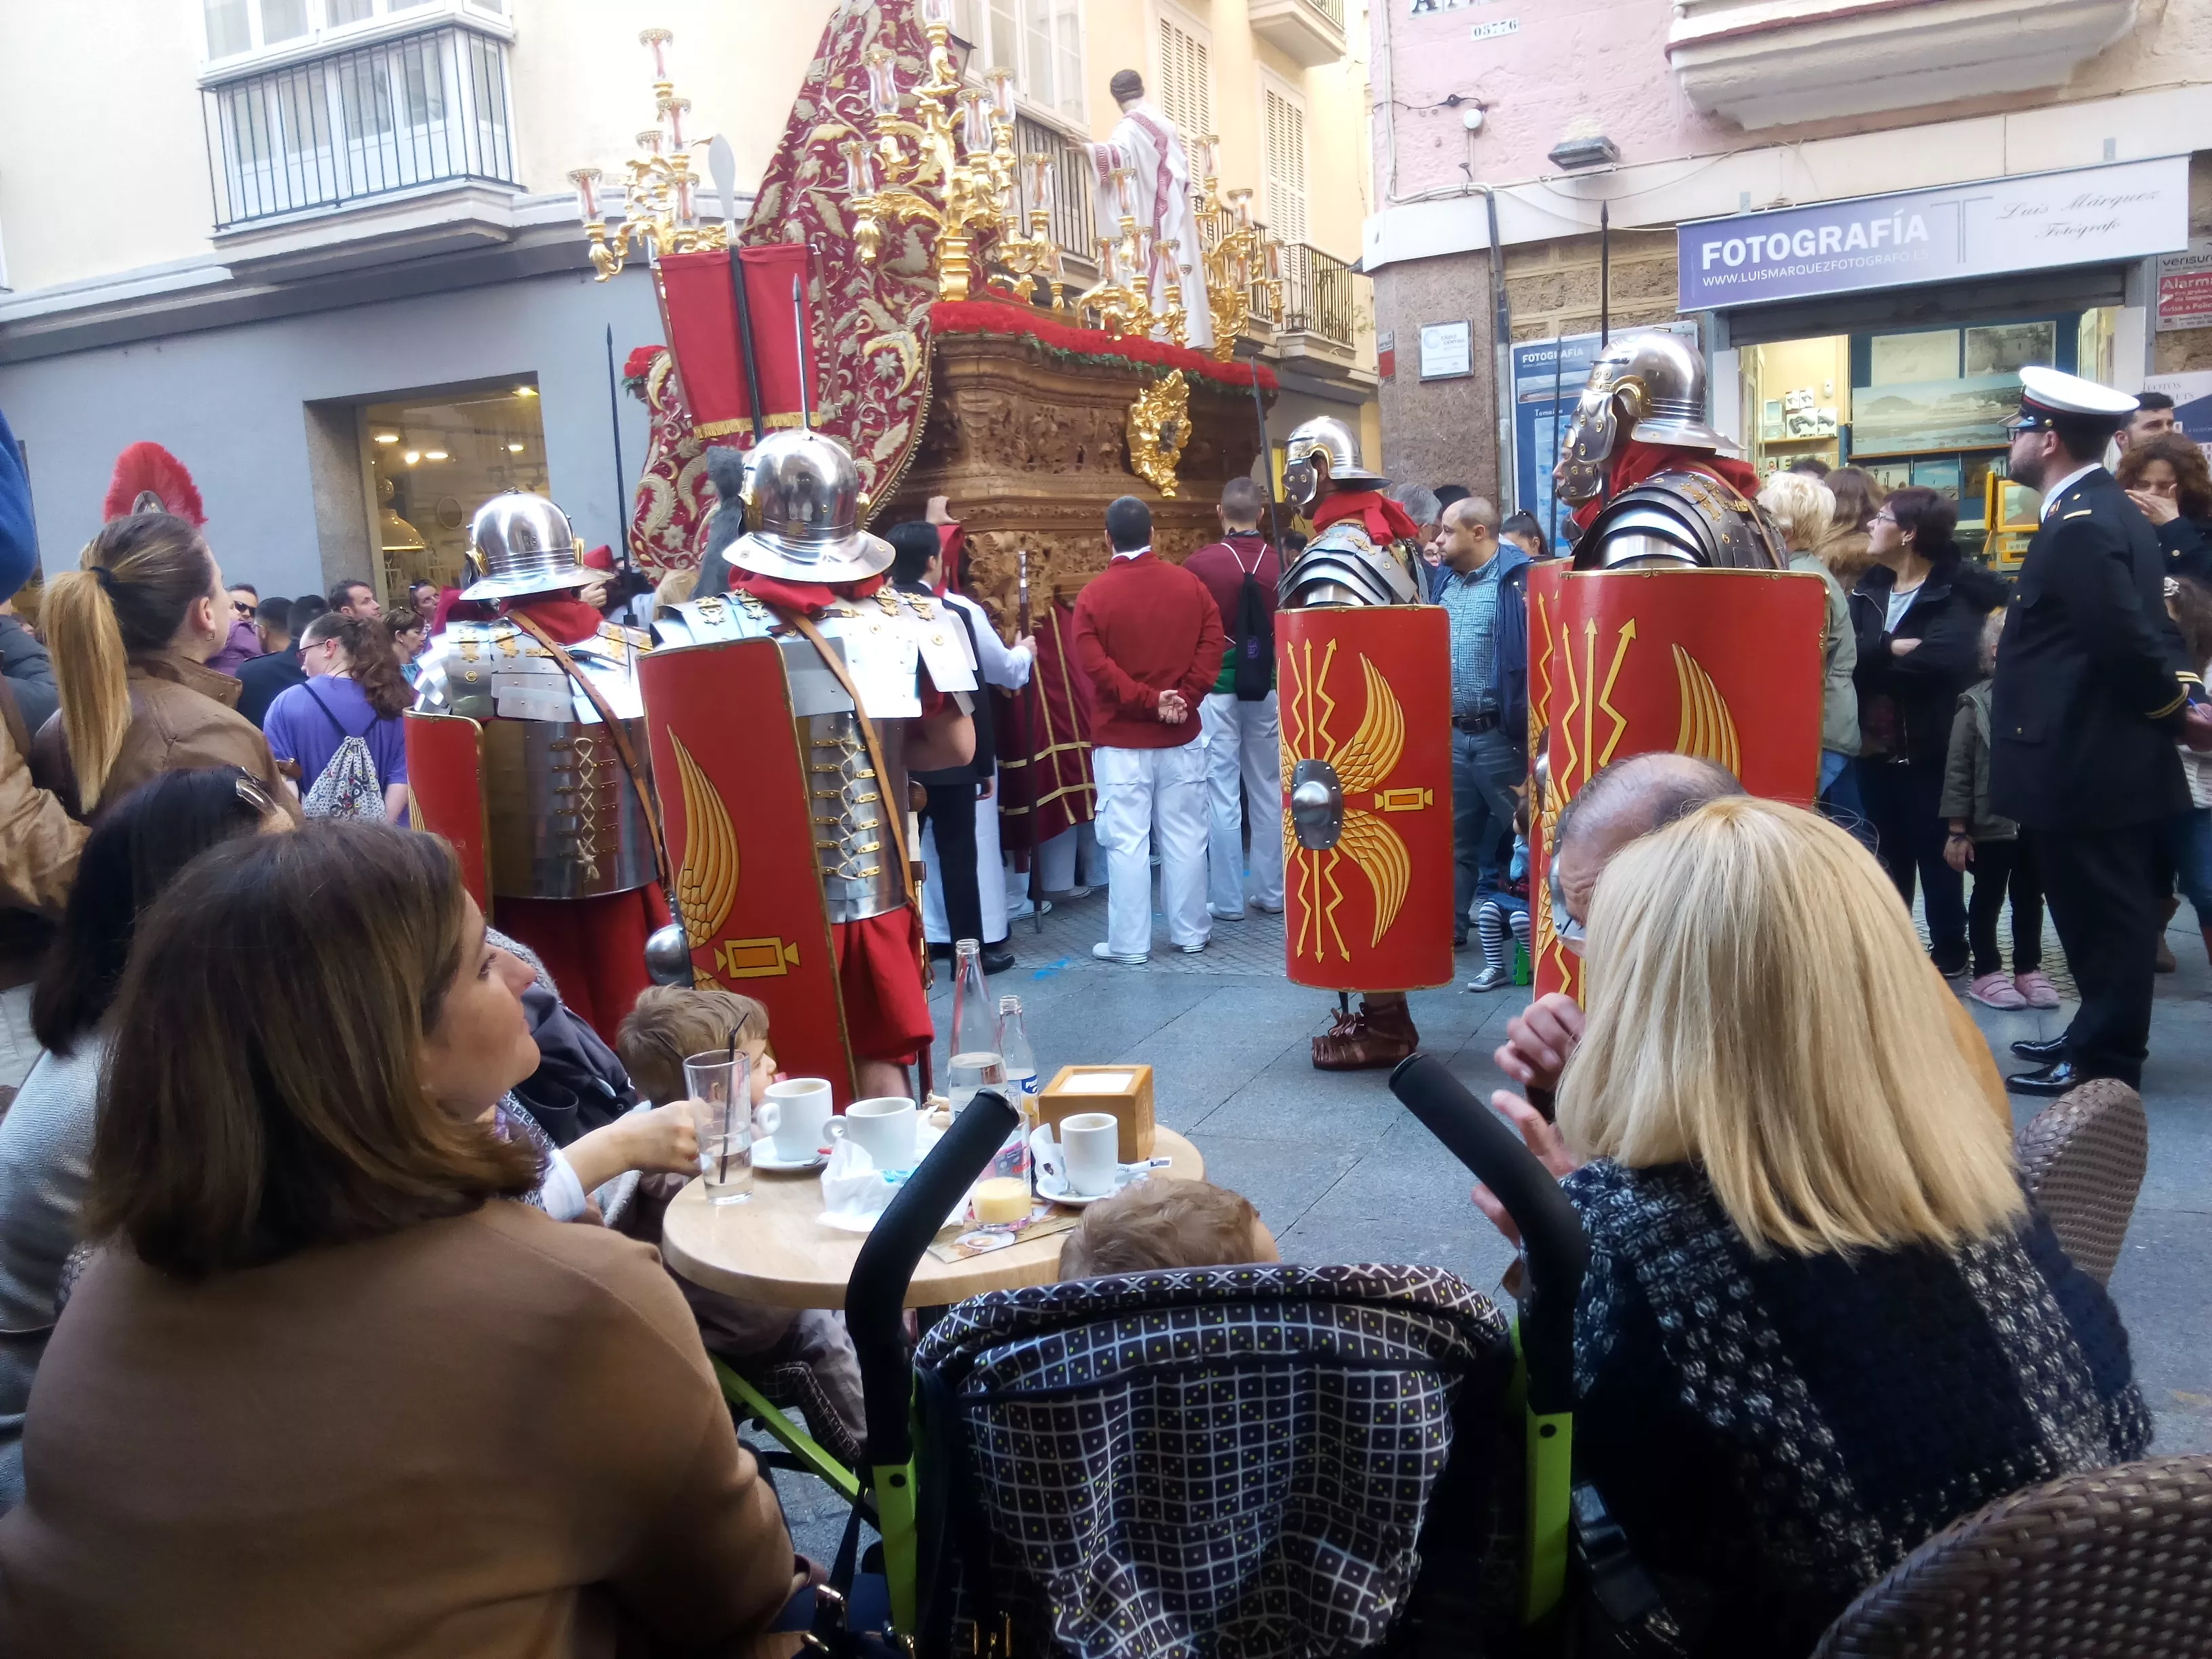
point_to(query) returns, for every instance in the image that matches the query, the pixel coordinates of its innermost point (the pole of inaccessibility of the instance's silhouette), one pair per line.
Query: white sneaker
(1262, 905)
(1224, 915)
(1022, 909)
(1107, 953)
(1192, 949)
(1080, 892)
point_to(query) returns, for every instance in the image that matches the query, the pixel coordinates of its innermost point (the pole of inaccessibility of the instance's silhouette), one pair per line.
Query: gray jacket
(45, 1161)
(1967, 770)
(1839, 657)
(29, 671)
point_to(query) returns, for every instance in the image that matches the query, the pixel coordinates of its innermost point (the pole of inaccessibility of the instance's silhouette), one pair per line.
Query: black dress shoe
(996, 961)
(2042, 1050)
(2060, 1077)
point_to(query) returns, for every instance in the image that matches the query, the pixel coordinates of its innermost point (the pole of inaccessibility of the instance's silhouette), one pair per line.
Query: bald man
(1625, 800)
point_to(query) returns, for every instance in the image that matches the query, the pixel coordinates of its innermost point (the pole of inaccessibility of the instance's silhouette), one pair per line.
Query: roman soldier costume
(783, 705)
(1364, 672)
(526, 749)
(1677, 625)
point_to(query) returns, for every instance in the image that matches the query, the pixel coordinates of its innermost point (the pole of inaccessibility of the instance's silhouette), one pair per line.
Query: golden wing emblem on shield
(1707, 729)
(1362, 768)
(707, 885)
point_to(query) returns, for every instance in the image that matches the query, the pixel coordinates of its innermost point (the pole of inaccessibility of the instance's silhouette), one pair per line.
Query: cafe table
(776, 1248)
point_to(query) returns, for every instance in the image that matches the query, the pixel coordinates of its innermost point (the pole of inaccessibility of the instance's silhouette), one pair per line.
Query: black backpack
(1255, 640)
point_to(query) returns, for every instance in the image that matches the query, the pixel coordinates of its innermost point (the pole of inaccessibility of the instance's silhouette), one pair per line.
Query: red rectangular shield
(1723, 664)
(444, 793)
(733, 788)
(1366, 695)
(699, 309)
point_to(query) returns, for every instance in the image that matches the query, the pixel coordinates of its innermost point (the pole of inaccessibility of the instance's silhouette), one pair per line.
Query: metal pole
(1551, 530)
(1025, 627)
(622, 473)
(799, 332)
(1604, 275)
(1267, 459)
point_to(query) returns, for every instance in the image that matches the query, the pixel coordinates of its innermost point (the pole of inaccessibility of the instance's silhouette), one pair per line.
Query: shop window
(1923, 406)
(432, 461)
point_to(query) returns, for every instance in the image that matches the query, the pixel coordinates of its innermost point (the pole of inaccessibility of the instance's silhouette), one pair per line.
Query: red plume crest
(146, 469)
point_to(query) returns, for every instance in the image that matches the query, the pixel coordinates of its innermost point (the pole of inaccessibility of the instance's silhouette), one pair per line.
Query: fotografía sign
(2091, 216)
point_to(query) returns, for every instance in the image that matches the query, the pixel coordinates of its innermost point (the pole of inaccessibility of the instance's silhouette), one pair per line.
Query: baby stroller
(1245, 1460)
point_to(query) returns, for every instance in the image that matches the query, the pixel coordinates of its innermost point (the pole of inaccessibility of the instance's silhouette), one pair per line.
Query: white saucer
(764, 1157)
(1073, 1200)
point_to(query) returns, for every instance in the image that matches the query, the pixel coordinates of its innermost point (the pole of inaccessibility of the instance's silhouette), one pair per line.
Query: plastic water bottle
(1019, 1058)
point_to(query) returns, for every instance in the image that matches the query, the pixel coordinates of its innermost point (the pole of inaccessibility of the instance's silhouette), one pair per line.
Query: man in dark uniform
(2091, 694)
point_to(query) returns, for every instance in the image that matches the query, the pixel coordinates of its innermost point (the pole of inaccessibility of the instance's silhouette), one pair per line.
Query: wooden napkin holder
(1124, 1091)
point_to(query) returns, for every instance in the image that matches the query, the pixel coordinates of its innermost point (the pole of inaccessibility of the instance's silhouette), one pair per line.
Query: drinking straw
(729, 1128)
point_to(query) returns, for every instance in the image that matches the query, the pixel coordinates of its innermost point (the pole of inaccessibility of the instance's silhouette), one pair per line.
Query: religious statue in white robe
(1145, 144)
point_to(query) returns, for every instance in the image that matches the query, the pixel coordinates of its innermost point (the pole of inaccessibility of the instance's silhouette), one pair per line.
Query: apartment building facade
(340, 275)
(1869, 213)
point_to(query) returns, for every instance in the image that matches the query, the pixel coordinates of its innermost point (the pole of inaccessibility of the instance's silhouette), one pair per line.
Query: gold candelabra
(1239, 257)
(952, 167)
(660, 211)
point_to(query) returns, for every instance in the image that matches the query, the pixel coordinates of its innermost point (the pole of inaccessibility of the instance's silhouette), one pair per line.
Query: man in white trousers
(1243, 735)
(1148, 635)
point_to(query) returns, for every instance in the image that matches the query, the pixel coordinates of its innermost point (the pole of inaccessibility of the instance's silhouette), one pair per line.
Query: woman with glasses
(1820, 1321)
(1918, 614)
(46, 1139)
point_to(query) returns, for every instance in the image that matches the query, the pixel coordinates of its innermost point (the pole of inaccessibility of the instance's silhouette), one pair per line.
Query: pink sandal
(1996, 991)
(2036, 986)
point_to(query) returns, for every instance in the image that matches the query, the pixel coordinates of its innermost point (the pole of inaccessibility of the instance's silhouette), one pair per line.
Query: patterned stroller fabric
(1232, 1462)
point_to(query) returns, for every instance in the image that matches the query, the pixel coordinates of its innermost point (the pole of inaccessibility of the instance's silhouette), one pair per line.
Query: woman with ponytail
(339, 734)
(130, 631)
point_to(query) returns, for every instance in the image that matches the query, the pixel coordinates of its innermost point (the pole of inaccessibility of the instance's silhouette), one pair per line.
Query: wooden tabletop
(777, 1250)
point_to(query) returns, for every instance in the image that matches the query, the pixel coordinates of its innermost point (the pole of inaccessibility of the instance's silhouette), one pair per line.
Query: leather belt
(1477, 722)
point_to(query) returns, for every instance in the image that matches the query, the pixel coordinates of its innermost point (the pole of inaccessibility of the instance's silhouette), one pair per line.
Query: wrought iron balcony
(347, 127)
(1320, 296)
(1073, 223)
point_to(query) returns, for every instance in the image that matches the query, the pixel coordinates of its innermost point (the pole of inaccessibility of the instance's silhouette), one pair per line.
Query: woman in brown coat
(327, 1390)
(131, 632)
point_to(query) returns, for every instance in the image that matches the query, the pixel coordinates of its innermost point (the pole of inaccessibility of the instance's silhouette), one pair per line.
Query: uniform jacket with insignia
(2091, 678)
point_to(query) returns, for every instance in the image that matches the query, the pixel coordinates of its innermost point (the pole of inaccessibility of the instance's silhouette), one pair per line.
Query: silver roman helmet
(1650, 388)
(1319, 455)
(804, 520)
(519, 544)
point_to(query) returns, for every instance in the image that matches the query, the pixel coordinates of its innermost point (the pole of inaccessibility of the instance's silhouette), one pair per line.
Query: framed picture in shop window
(1890, 475)
(1940, 473)
(1974, 485)
(2008, 348)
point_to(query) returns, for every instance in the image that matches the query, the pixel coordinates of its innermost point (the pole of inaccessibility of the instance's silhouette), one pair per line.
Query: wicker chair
(2113, 1562)
(2082, 1159)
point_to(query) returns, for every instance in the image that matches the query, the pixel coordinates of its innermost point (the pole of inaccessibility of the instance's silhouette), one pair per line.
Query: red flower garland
(1025, 322)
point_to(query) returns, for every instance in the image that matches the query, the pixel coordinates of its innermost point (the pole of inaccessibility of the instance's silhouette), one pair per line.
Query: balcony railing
(1319, 296)
(423, 109)
(1073, 223)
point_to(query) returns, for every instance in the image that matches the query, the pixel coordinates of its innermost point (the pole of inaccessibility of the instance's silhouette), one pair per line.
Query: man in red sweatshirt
(1148, 634)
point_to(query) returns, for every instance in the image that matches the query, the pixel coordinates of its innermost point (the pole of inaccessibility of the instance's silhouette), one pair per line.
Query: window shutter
(1287, 167)
(1186, 92)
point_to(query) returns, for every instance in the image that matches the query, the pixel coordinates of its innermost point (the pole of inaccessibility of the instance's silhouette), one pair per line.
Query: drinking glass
(719, 1085)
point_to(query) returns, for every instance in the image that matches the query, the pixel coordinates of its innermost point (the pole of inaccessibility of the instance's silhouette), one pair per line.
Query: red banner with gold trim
(1723, 664)
(734, 809)
(1366, 711)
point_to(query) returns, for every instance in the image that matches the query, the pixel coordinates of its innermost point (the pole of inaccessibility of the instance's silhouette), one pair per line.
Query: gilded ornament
(1160, 427)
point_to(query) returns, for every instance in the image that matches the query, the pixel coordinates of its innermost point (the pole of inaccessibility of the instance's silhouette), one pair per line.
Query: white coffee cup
(1091, 1144)
(882, 1127)
(803, 1105)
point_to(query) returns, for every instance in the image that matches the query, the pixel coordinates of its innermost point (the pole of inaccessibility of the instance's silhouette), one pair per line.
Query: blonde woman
(130, 631)
(1802, 507)
(1820, 1322)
